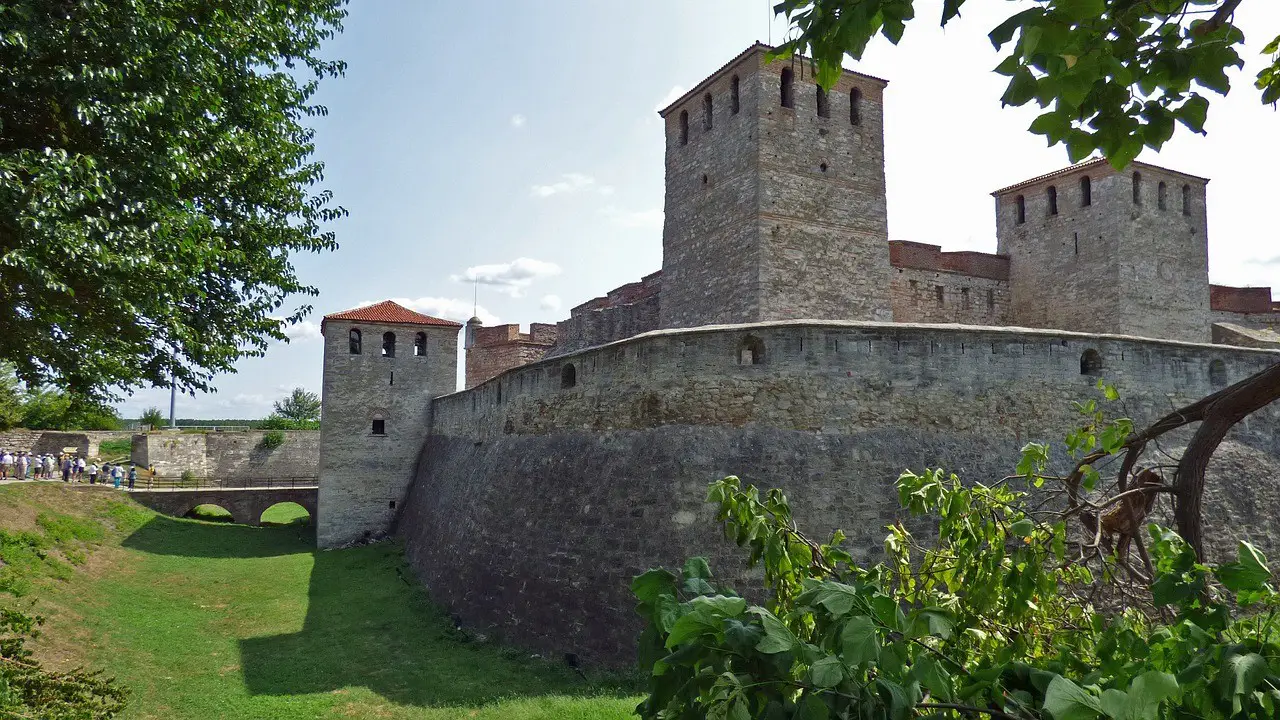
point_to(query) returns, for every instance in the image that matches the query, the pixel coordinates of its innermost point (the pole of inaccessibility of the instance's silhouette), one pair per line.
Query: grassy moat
(206, 619)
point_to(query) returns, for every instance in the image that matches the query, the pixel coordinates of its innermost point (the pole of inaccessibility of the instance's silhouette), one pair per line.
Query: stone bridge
(245, 504)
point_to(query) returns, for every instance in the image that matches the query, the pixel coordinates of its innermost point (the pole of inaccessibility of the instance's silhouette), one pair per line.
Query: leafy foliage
(53, 409)
(155, 178)
(28, 690)
(994, 617)
(272, 439)
(153, 417)
(1112, 75)
(300, 405)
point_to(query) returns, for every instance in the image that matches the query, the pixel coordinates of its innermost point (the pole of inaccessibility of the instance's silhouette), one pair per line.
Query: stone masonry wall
(536, 503)
(498, 349)
(230, 456)
(946, 297)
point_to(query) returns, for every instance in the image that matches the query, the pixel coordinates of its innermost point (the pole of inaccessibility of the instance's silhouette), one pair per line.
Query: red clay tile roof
(388, 313)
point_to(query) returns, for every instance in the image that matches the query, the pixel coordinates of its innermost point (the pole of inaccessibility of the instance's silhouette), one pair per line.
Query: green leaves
(1064, 700)
(859, 642)
(1248, 574)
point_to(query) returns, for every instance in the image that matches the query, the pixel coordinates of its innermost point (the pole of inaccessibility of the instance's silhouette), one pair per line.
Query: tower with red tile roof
(383, 364)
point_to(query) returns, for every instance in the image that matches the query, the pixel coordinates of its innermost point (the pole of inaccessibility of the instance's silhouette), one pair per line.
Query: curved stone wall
(540, 493)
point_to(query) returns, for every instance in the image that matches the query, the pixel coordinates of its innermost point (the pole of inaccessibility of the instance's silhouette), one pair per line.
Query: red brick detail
(1241, 300)
(388, 313)
(920, 256)
(628, 294)
(499, 348)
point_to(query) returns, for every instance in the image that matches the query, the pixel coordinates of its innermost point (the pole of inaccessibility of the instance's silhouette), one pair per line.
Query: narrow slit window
(991, 301)
(788, 99)
(941, 294)
(964, 298)
(734, 86)
(1160, 196)
(1020, 209)
(1137, 188)
(1052, 193)
(1086, 191)
(420, 345)
(1186, 199)
(855, 107)
(354, 340)
(824, 108)
(388, 344)
(684, 127)
(706, 111)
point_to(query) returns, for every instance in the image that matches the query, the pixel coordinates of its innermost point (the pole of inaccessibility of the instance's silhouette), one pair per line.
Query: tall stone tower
(382, 366)
(1094, 250)
(775, 197)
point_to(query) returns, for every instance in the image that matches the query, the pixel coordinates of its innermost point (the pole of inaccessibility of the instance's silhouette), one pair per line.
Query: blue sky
(518, 143)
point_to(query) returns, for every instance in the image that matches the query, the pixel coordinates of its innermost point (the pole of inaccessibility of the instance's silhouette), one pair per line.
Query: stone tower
(382, 366)
(775, 197)
(1094, 250)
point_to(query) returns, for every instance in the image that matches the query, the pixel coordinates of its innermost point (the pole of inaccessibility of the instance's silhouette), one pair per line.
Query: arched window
(1137, 188)
(354, 338)
(388, 344)
(499, 386)
(733, 95)
(706, 111)
(751, 351)
(1021, 209)
(855, 107)
(1186, 199)
(1218, 374)
(684, 127)
(420, 345)
(788, 98)
(1090, 362)
(1160, 196)
(1052, 192)
(824, 109)
(1086, 191)
(568, 376)
(379, 427)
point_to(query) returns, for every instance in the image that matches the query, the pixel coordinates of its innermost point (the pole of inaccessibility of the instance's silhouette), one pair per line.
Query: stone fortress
(787, 340)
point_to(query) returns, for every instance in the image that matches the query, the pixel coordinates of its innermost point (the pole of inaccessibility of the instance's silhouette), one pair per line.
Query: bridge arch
(246, 505)
(211, 512)
(286, 512)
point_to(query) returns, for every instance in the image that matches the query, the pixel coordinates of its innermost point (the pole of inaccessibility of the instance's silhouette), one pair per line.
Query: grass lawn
(211, 620)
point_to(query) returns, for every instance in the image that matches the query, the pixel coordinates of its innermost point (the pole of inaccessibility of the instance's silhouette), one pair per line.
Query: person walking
(115, 475)
(133, 475)
(21, 464)
(50, 464)
(93, 473)
(6, 464)
(66, 468)
(80, 465)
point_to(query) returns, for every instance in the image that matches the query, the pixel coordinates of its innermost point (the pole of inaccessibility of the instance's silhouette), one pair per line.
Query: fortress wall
(591, 326)
(534, 505)
(230, 456)
(929, 296)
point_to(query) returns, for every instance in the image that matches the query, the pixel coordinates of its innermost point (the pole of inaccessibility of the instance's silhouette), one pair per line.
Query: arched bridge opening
(248, 506)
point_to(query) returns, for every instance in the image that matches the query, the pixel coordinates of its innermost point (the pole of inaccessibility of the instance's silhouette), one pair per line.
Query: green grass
(209, 620)
(121, 447)
(286, 514)
(210, 513)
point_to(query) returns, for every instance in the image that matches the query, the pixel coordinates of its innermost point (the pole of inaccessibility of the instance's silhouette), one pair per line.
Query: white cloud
(568, 183)
(509, 278)
(518, 121)
(672, 95)
(651, 218)
(302, 331)
(454, 309)
(549, 302)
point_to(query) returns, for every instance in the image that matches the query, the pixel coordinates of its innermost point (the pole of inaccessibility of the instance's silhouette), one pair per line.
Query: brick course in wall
(494, 350)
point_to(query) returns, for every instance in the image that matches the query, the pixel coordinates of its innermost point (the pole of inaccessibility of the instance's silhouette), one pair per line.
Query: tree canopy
(1112, 76)
(156, 175)
(299, 405)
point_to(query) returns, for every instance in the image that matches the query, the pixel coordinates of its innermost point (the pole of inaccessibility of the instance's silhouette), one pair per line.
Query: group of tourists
(23, 465)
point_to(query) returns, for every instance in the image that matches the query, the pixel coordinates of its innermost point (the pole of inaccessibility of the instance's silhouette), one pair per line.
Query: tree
(1113, 75)
(299, 406)
(153, 417)
(54, 409)
(156, 175)
(28, 690)
(10, 398)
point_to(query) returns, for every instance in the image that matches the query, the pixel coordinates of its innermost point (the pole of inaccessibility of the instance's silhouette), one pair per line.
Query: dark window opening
(733, 95)
(1160, 196)
(1090, 362)
(823, 167)
(1075, 239)
(706, 111)
(420, 345)
(964, 298)
(788, 99)
(1137, 188)
(1021, 208)
(684, 127)
(392, 504)
(388, 344)
(568, 376)
(499, 386)
(393, 378)
(705, 179)
(1086, 191)
(751, 351)
(940, 293)
(1186, 199)
(991, 301)
(855, 107)
(1053, 200)
(379, 427)
(354, 338)
(1218, 374)
(824, 108)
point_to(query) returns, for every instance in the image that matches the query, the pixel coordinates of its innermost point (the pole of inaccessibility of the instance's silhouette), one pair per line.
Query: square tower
(383, 364)
(775, 197)
(1095, 250)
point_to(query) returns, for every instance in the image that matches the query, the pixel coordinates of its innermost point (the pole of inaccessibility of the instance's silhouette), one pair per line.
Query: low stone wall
(536, 502)
(229, 455)
(86, 442)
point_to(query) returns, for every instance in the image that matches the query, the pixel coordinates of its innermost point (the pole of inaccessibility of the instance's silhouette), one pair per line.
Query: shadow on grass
(369, 624)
